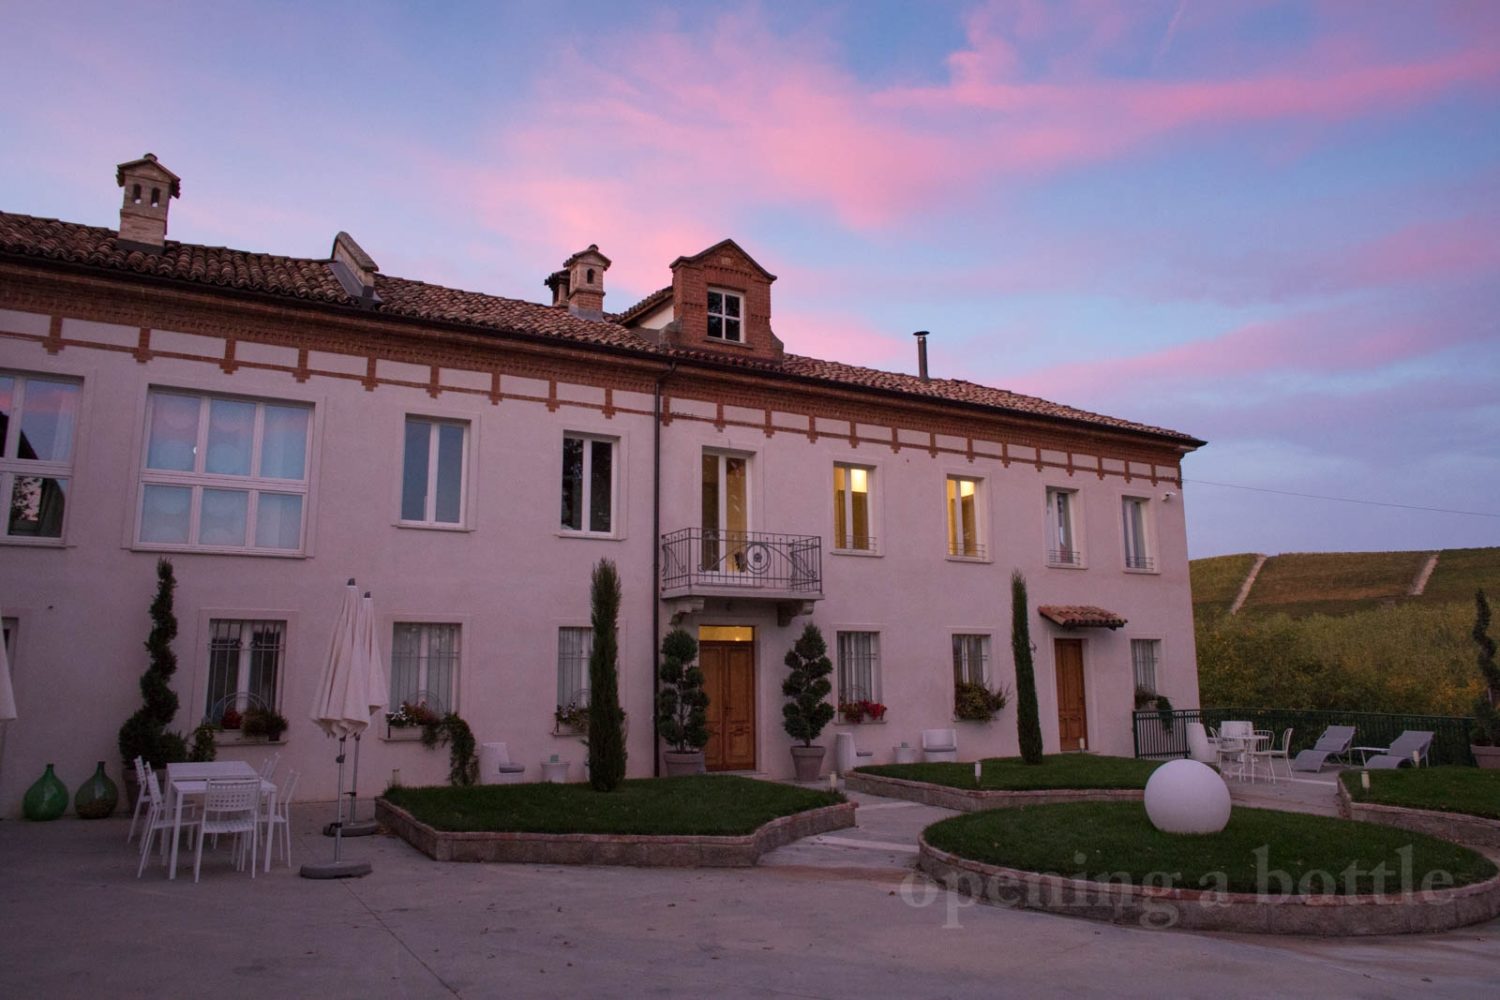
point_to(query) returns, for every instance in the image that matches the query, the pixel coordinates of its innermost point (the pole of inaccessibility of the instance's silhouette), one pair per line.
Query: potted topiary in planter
(807, 710)
(681, 705)
(145, 733)
(1484, 737)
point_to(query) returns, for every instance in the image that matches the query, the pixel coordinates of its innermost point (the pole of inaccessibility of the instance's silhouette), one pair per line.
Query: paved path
(834, 916)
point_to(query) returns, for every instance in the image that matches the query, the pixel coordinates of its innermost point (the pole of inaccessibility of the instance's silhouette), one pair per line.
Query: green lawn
(1108, 841)
(1445, 789)
(722, 805)
(1065, 770)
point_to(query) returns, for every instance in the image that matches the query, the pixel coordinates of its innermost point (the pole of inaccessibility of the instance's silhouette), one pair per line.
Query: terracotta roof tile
(312, 280)
(1080, 616)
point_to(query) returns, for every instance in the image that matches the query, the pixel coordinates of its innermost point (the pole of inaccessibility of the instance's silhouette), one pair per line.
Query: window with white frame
(588, 484)
(971, 659)
(724, 315)
(858, 666)
(1144, 656)
(38, 423)
(424, 665)
(852, 487)
(574, 647)
(1062, 536)
(224, 473)
(244, 666)
(963, 517)
(434, 471)
(1134, 515)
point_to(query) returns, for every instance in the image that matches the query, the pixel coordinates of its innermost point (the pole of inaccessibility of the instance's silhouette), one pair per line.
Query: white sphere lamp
(1184, 796)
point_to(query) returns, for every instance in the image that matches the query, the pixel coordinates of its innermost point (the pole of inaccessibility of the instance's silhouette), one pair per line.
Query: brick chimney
(149, 187)
(355, 270)
(581, 283)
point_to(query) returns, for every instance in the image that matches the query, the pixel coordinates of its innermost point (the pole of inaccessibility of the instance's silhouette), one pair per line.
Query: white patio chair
(140, 796)
(268, 769)
(281, 817)
(1200, 747)
(1269, 753)
(939, 744)
(496, 767)
(159, 818)
(230, 806)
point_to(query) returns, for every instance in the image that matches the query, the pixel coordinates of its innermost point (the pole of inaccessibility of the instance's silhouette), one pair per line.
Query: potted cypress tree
(807, 710)
(681, 704)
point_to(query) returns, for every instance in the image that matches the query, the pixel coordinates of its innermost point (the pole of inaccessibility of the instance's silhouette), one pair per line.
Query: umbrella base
(364, 828)
(337, 869)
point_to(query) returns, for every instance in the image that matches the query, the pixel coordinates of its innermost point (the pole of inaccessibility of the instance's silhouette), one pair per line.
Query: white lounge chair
(1200, 747)
(1406, 750)
(1335, 742)
(939, 744)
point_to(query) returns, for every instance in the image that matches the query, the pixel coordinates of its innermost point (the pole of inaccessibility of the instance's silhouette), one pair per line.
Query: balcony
(742, 564)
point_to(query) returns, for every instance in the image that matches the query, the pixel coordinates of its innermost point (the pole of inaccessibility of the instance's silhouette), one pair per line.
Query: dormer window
(724, 310)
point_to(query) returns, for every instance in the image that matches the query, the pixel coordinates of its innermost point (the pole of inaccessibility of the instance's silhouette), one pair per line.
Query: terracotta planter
(808, 762)
(682, 762)
(1487, 757)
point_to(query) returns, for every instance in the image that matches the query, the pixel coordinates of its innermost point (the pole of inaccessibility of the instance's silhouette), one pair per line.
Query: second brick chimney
(149, 187)
(580, 284)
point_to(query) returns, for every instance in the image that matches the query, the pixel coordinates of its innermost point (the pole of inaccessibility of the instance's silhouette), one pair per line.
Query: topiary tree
(606, 719)
(145, 734)
(1028, 723)
(681, 703)
(807, 687)
(1486, 730)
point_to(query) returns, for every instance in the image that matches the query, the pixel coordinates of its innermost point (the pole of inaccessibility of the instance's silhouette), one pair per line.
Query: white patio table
(191, 779)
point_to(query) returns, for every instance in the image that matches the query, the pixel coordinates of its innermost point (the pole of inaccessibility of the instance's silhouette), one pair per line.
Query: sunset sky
(1275, 226)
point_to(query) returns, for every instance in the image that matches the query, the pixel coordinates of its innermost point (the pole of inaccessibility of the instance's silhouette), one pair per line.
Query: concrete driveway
(835, 916)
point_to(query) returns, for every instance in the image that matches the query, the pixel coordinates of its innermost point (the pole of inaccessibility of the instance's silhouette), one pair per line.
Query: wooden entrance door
(729, 682)
(1072, 716)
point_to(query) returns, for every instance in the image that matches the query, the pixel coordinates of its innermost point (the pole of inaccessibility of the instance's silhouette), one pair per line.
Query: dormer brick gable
(739, 288)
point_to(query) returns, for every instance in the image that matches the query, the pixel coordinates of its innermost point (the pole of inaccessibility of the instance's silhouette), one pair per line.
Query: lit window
(433, 471)
(244, 666)
(38, 422)
(851, 507)
(588, 484)
(859, 666)
(1137, 537)
(1062, 541)
(424, 666)
(963, 517)
(724, 316)
(223, 473)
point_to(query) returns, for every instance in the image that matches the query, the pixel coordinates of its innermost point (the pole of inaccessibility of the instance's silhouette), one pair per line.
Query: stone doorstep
(1460, 828)
(1195, 909)
(688, 851)
(976, 800)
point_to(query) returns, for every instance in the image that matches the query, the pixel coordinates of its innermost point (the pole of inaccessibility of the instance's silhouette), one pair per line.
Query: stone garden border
(1192, 909)
(1461, 828)
(976, 800)
(689, 851)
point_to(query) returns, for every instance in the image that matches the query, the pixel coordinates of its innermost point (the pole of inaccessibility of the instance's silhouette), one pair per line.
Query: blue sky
(1270, 225)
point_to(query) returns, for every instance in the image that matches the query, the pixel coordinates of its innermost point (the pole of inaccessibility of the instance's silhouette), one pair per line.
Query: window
(574, 647)
(963, 517)
(433, 472)
(38, 421)
(588, 484)
(1144, 655)
(851, 507)
(724, 316)
(971, 659)
(859, 666)
(725, 512)
(424, 665)
(224, 473)
(1062, 541)
(244, 665)
(1137, 542)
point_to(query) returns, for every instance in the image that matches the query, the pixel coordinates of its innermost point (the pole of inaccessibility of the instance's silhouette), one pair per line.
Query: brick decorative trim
(977, 800)
(610, 849)
(1193, 909)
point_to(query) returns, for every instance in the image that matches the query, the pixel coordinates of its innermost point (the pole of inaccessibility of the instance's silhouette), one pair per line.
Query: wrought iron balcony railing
(695, 561)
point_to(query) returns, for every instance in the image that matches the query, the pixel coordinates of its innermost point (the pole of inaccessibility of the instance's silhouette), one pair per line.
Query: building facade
(277, 425)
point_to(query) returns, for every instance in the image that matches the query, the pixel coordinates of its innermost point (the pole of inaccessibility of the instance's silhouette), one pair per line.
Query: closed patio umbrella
(7, 694)
(342, 709)
(370, 664)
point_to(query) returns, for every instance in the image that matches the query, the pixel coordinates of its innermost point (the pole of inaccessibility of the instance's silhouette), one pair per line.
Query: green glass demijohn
(97, 797)
(47, 799)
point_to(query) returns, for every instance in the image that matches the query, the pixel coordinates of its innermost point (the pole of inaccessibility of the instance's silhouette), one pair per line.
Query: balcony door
(725, 512)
